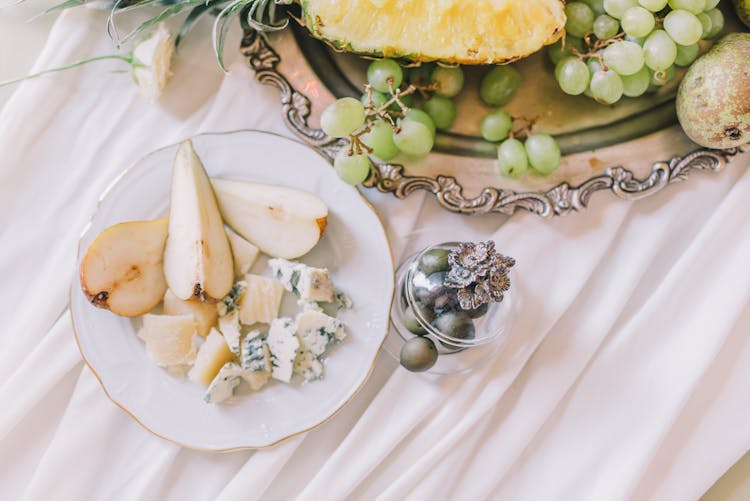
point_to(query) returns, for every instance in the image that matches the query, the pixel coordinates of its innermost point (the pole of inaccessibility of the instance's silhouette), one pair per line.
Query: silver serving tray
(606, 148)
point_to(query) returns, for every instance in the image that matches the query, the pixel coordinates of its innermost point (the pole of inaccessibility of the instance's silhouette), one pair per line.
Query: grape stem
(595, 48)
(525, 130)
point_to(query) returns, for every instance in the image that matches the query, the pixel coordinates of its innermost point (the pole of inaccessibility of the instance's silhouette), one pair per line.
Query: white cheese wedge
(203, 313)
(212, 355)
(169, 339)
(244, 253)
(283, 344)
(307, 282)
(222, 386)
(316, 331)
(261, 300)
(229, 326)
(307, 365)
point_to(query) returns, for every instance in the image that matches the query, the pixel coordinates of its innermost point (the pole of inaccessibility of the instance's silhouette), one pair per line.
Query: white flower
(152, 62)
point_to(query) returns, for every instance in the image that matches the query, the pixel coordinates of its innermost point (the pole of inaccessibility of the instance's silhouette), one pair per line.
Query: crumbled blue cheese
(307, 282)
(342, 301)
(316, 331)
(223, 385)
(307, 365)
(255, 355)
(229, 325)
(231, 301)
(283, 344)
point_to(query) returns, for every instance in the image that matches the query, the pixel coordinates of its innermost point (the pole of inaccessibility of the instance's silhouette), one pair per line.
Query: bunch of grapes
(616, 48)
(399, 113)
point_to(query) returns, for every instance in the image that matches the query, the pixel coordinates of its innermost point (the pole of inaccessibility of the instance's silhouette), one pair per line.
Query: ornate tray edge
(390, 178)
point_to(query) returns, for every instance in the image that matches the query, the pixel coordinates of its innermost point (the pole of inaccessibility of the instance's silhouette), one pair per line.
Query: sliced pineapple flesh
(453, 31)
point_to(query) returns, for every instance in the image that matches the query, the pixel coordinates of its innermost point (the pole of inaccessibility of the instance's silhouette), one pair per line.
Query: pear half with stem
(197, 259)
(122, 268)
(283, 222)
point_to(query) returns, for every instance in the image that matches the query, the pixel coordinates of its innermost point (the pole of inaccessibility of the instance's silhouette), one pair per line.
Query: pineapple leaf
(119, 8)
(192, 18)
(170, 11)
(221, 27)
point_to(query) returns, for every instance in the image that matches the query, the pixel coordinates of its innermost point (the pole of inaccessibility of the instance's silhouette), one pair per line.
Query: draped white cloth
(625, 378)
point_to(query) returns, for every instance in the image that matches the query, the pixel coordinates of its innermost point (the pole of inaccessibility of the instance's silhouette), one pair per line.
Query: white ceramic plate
(354, 248)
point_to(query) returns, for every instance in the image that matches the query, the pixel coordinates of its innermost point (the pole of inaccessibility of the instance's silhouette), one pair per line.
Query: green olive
(418, 354)
(411, 322)
(433, 261)
(478, 312)
(430, 291)
(455, 325)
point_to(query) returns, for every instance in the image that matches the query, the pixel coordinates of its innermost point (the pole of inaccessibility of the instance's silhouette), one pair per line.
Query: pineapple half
(451, 31)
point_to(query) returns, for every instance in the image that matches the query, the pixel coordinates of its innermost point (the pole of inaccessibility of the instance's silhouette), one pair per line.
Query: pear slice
(122, 268)
(283, 222)
(197, 259)
(243, 252)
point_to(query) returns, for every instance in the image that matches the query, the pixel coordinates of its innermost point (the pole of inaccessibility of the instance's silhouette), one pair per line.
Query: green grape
(596, 5)
(717, 22)
(511, 158)
(499, 85)
(556, 51)
(352, 169)
(653, 5)
(692, 6)
(416, 115)
(686, 54)
(496, 126)
(617, 8)
(710, 4)
(638, 22)
(624, 57)
(659, 50)
(378, 99)
(442, 110)
(572, 75)
(662, 77)
(381, 72)
(636, 84)
(380, 139)
(448, 81)
(543, 153)
(420, 75)
(705, 20)
(342, 117)
(606, 87)
(683, 27)
(637, 40)
(594, 65)
(605, 27)
(414, 138)
(580, 19)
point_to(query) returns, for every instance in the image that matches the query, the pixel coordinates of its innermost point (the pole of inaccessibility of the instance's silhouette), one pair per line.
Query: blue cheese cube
(223, 385)
(231, 301)
(283, 344)
(307, 365)
(307, 282)
(229, 326)
(255, 355)
(316, 331)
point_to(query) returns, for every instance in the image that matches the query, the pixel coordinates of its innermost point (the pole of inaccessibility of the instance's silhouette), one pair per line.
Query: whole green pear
(713, 102)
(742, 7)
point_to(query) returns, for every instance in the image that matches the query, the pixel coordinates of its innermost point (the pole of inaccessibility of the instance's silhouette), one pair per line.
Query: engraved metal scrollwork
(391, 178)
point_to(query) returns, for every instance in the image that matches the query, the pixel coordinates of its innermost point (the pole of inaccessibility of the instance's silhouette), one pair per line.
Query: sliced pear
(122, 268)
(243, 252)
(169, 339)
(205, 314)
(198, 258)
(212, 355)
(281, 221)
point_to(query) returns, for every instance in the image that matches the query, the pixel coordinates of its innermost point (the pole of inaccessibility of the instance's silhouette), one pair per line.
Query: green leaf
(165, 14)
(221, 27)
(191, 19)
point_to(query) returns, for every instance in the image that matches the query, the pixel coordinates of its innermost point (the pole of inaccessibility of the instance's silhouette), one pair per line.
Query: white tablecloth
(626, 377)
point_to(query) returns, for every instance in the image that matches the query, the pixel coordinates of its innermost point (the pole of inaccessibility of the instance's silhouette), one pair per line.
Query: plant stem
(127, 59)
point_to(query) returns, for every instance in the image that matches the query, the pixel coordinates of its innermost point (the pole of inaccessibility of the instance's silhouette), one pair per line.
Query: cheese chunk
(261, 301)
(243, 252)
(231, 301)
(169, 338)
(307, 282)
(283, 344)
(212, 355)
(256, 380)
(203, 313)
(316, 331)
(229, 325)
(222, 386)
(255, 354)
(307, 365)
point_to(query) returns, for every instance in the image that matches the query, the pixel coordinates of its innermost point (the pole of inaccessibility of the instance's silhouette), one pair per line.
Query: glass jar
(425, 307)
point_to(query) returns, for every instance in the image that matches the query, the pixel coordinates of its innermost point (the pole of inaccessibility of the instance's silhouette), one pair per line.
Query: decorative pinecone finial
(479, 273)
